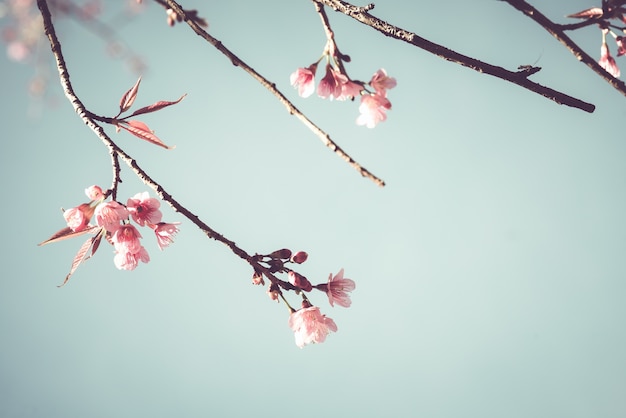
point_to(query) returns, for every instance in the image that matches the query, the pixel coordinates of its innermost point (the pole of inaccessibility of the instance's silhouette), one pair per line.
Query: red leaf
(141, 130)
(588, 13)
(129, 97)
(66, 233)
(156, 106)
(81, 255)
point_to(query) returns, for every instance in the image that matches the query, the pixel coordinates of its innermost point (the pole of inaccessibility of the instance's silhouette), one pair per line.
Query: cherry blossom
(310, 326)
(373, 109)
(350, 90)
(165, 233)
(144, 209)
(304, 80)
(110, 214)
(337, 289)
(125, 260)
(331, 85)
(606, 59)
(381, 82)
(78, 218)
(94, 192)
(126, 239)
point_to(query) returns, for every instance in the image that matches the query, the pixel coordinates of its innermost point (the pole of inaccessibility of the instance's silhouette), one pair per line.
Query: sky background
(490, 270)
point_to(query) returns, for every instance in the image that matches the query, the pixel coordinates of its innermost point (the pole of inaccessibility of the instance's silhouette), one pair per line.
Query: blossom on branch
(110, 214)
(310, 326)
(337, 289)
(304, 80)
(331, 85)
(381, 82)
(373, 109)
(607, 61)
(144, 209)
(126, 260)
(78, 218)
(165, 233)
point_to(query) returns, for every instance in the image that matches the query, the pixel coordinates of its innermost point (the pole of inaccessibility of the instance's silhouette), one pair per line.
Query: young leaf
(141, 130)
(129, 97)
(588, 13)
(156, 106)
(81, 256)
(66, 233)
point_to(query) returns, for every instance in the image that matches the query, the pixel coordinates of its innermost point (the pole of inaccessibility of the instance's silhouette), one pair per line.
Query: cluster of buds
(308, 323)
(611, 10)
(113, 222)
(336, 84)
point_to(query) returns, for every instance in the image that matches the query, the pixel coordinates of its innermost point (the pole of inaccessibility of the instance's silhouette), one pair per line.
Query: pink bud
(300, 281)
(299, 257)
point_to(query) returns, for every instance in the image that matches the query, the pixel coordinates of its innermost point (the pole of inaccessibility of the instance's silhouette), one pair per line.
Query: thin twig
(291, 108)
(516, 77)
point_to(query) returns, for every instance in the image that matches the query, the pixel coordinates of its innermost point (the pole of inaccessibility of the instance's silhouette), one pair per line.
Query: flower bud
(300, 281)
(282, 254)
(299, 257)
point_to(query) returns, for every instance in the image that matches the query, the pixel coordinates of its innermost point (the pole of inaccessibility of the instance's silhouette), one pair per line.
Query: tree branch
(291, 108)
(116, 152)
(516, 77)
(556, 30)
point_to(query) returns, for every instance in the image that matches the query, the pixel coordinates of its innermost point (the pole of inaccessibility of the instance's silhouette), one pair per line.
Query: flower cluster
(336, 84)
(308, 323)
(603, 16)
(113, 222)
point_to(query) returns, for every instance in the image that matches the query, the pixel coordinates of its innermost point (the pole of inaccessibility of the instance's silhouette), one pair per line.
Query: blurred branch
(557, 31)
(291, 108)
(516, 77)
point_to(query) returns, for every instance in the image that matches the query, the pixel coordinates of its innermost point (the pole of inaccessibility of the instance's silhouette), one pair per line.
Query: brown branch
(116, 152)
(556, 31)
(516, 77)
(291, 108)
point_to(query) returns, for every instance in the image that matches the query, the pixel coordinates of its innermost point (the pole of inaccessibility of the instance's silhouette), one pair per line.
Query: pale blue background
(490, 271)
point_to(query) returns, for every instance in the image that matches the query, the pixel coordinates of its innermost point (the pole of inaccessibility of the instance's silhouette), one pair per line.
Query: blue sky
(490, 270)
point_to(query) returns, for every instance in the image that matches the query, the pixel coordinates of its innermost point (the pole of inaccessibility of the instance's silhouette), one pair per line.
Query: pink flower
(110, 214)
(330, 85)
(337, 289)
(381, 82)
(607, 61)
(310, 326)
(373, 108)
(126, 239)
(165, 233)
(94, 192)
(350, 90)
(78, 218)
(144, 209)
(304, 80)
(300, 281)
(125, 260)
